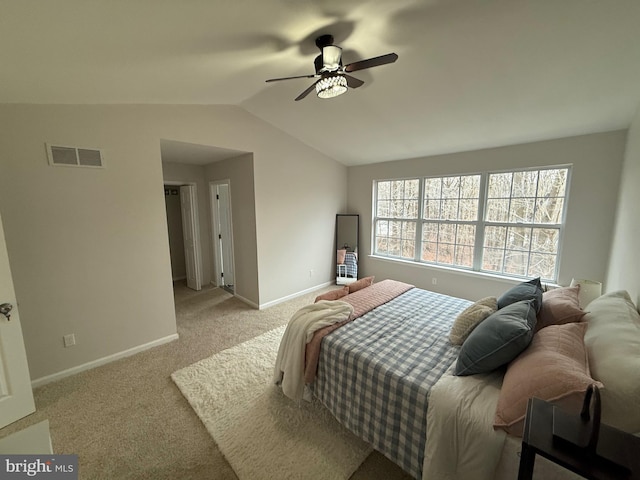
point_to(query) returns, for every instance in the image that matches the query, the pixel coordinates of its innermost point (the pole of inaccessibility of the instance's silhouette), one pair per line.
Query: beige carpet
(128, 420)
(262, 433)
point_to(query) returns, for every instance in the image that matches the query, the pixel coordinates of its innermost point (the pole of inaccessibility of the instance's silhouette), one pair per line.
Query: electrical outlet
(310, 273)
(434, 281)
(69, 340)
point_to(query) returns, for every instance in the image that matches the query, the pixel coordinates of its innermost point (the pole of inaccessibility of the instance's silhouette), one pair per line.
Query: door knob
(5, 309)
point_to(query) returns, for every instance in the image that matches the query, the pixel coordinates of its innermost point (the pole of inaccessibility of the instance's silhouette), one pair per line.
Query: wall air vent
(74, 156)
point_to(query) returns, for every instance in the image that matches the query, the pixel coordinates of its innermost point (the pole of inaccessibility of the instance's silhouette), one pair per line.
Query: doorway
(181, 200)
(220, 192)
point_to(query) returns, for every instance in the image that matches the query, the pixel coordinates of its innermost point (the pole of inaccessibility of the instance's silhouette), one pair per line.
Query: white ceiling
(471, 73)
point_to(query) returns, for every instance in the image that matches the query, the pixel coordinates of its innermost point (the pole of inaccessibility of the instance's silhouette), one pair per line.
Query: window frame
(481, 223)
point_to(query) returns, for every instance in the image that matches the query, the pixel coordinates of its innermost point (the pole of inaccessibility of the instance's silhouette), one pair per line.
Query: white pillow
(613, 346)
(470, 318)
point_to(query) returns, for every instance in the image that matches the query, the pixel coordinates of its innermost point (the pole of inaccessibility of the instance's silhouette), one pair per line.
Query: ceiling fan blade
(371, 62)
(353, 82)
(306, 92)
(290, 78)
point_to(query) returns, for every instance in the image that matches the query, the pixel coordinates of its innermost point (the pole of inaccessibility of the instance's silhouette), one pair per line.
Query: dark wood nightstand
(538, 439)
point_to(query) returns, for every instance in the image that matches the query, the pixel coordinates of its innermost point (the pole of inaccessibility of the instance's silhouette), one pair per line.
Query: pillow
(498, 339)
(531, 290)
(341, 256)
(613, 347)
(470, 317)
(559, 306)
(333, 294)
(360, 284)
(553, 368)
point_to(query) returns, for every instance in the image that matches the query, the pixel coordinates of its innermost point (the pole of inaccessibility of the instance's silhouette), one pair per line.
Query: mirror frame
(352, 248)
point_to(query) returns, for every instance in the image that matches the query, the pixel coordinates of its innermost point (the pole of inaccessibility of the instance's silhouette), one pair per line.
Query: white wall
(597, 161)
(89, 248)
(624, 268)
(240, 173)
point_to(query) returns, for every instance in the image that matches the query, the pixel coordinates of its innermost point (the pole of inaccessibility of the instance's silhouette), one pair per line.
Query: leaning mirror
(347, 248)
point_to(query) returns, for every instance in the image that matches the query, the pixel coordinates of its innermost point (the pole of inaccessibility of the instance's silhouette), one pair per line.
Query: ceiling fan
(331, 74)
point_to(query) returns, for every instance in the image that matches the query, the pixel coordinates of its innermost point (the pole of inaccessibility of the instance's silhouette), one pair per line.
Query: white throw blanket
(289, 367)
(461, 442)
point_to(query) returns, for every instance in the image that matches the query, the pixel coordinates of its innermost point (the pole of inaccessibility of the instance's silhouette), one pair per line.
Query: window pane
(429, 250)
(553, 183)
(447, 233)
(384, 190)
(382, 245)
(492, 259)
(545, 240)
(382, 228)
(451, 187)
(431, 209)
(470, 186)
(464, 256)
(432, 188)
(468, 210)
(518, 238)
(445, 253)
(549, 210)
(466, 235)
(542, 265)
(525, 184)
(408, 248)
(384, 208)
(515, 262)
(497, 210)
(449, 210)
(495, 237)
(500, 185)
(521, 210)
(430, 232)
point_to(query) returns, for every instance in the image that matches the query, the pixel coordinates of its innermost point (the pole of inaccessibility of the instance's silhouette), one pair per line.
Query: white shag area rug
(262, 433)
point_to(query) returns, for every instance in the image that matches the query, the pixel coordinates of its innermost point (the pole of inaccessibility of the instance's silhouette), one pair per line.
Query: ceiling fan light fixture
(331, 56)
(331, 86)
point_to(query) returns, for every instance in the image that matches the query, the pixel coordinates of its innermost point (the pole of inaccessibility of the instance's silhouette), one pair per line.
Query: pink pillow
(553, 368)
(334, 294)
(560, 306)
(360, 284)
(341, 255)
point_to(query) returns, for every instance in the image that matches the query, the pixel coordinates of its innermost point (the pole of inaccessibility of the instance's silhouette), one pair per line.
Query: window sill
(459, 271)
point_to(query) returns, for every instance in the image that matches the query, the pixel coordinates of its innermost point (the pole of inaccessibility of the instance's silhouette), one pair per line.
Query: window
(505, 223)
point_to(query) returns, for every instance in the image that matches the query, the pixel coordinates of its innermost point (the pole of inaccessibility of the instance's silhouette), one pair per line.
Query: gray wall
(624, 269)
(89, 248)
(597, 162)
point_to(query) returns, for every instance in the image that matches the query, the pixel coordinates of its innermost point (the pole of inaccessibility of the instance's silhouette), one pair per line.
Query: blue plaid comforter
(376, 372)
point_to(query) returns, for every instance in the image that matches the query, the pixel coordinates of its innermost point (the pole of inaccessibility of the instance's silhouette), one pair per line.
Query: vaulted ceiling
(471, 74)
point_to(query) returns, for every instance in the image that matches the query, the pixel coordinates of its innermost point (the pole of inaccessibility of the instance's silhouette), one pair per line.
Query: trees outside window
(506, 223)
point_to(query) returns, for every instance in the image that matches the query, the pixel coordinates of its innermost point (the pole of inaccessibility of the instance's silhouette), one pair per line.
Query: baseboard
(247, 301)
(102, 361)
(294, 295)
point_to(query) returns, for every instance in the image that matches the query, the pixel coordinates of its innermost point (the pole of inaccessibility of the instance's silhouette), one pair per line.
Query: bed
(388, 374)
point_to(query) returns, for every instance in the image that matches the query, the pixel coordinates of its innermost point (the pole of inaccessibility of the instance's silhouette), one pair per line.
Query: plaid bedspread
(376, 372)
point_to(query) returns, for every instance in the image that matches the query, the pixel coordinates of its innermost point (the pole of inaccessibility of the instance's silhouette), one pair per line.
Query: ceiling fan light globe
(331, 86)
(331, 56)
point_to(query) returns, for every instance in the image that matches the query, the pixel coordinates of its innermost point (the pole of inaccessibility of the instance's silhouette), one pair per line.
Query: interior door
(225, 237)
(16, 396)
(190, 231)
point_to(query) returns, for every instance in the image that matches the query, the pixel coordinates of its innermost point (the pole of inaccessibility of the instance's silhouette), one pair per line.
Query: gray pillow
(500, 338)
(531, 290)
